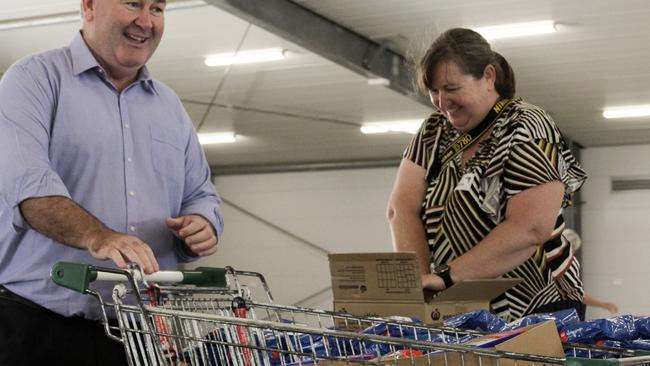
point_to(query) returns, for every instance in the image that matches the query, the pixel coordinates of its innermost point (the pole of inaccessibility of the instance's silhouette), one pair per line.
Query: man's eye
(157, 11)
(132, 4)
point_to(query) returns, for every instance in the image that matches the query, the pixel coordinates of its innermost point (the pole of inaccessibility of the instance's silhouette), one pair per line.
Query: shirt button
(132, 228)
(131, 193)
(128, 159)
(126, 125)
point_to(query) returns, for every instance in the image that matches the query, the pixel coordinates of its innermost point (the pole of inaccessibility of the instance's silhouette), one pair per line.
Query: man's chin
(133, 62)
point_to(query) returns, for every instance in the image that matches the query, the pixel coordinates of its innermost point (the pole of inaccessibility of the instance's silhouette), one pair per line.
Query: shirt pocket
(168, 154)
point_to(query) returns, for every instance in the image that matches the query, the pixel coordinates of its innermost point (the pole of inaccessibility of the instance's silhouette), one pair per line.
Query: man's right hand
(121, 249)
(65, 221)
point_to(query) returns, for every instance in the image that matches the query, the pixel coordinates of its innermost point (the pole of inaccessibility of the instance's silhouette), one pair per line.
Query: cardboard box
(540, 339)
(388, 284)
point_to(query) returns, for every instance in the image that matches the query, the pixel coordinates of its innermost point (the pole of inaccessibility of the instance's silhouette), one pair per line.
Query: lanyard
(466, 139)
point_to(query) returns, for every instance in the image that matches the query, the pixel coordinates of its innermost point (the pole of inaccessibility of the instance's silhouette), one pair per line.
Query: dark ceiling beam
(326, 38)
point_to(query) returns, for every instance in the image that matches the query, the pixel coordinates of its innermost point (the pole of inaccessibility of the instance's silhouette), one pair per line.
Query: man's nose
(144, 18)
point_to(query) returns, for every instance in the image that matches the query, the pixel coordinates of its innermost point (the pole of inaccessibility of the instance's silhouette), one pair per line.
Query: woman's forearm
(408, 236)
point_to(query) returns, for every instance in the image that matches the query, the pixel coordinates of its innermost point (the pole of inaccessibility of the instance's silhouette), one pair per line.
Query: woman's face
(462, 98)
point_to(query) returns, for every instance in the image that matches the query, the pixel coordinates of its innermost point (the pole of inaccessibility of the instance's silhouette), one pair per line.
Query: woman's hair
(472, 53)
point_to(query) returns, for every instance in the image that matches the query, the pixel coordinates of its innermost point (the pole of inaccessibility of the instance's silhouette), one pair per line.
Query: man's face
(123, 34)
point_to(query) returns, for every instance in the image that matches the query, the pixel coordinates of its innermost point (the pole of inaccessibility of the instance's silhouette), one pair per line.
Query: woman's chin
(460, 125)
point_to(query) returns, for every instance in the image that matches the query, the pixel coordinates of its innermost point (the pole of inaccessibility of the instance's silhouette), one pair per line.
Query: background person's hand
(611, 307)
(121, 249)
(196, 232)
(433, 282)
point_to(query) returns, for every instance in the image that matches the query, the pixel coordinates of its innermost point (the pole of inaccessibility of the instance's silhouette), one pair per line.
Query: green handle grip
(206, 277)
(75, 276)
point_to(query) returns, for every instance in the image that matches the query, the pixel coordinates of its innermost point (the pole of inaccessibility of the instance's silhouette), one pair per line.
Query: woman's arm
(592, 301)
(529, 222)
(403, 213)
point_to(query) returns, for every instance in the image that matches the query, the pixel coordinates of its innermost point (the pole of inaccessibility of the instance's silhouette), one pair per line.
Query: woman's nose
(438, 99)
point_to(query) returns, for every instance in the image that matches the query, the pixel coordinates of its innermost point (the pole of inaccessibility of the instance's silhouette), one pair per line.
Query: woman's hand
(432, 282)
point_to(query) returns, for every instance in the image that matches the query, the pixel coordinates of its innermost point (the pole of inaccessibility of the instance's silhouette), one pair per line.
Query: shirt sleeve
(530, 164)
(26, 108)
(199, 195)
(425, 142)
(538, 154)
(416, 151)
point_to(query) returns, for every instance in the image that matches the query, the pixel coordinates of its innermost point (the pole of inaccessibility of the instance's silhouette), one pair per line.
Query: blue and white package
(481, 320)
(561, 318)
(642, 326)
(620, 328)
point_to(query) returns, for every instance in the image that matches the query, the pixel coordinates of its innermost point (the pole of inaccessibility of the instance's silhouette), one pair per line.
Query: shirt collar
(83, 60)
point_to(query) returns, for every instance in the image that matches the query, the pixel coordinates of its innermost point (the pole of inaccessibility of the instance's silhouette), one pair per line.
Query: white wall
(338, 211)
(616, 230)
(343, 211)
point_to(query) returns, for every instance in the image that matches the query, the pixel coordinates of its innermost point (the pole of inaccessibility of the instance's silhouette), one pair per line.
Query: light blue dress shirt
(131, 159)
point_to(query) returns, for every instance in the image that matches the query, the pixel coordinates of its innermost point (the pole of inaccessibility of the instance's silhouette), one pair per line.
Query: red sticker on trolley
(161, 324)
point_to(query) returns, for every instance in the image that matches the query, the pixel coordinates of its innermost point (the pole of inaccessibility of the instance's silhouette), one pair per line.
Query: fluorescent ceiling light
(245, 57)
(627, 111)
(73, 16)
(378, 81)
(216, 138)
(406, 126)
(517, 29)
(39, 21)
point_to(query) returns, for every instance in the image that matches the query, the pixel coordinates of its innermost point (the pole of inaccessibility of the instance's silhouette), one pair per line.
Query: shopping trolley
(210, 318)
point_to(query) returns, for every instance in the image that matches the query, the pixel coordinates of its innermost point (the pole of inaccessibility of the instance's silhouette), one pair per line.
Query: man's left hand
(196, 232)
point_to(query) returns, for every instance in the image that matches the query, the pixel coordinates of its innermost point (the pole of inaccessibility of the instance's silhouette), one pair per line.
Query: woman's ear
(490, 74)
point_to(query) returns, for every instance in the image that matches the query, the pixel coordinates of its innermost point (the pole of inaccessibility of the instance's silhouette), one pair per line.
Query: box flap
(475, 290)
(364, 256)
(539, 339)
(376, 276)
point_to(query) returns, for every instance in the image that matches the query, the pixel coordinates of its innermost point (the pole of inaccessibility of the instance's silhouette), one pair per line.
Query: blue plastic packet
(637, 344)
(561, 318)
(642, 326)
(620, 328)
(584, 332)
(481, 320)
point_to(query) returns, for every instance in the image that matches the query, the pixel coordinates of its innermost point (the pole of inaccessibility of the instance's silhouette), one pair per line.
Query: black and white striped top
(524, 149)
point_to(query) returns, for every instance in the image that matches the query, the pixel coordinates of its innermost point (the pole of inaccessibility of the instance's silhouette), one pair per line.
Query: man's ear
(87, 10)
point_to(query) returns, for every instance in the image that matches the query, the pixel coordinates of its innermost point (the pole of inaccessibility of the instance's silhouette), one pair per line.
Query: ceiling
(306, 110)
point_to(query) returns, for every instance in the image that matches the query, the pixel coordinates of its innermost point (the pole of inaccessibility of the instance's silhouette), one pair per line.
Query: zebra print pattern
(524, 149)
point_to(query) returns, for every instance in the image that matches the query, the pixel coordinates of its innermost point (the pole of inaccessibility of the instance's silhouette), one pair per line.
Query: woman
(480, 190)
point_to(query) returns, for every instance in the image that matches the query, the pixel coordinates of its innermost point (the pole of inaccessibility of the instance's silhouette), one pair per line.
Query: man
(100, 163)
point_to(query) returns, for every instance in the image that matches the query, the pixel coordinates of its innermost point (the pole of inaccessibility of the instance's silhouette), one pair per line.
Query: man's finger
(152, 258)
(208, 252)
(191, 227)
(130, 253)
(201, 236)
(202, 246)
(114, 255)
(174, 223)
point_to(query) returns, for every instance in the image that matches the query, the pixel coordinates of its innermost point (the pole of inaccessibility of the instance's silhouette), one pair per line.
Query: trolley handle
(77, 276)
